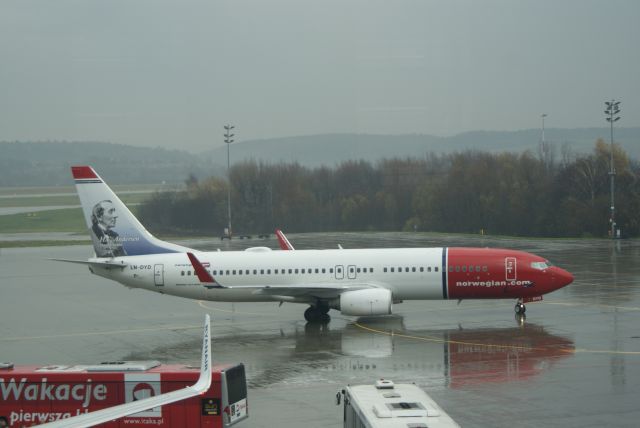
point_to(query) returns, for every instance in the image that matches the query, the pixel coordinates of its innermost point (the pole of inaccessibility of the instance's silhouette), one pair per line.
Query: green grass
(40, 201)
(66, 220)
(43, 243)
(43, 190)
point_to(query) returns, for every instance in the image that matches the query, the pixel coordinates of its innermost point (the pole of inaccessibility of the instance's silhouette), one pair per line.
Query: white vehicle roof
(389, 405)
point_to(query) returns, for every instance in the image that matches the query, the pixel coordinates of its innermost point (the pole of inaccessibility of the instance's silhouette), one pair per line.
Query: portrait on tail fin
(106, 241)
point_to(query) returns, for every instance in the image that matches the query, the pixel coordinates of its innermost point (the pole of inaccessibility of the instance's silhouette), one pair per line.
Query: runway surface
(574, 361)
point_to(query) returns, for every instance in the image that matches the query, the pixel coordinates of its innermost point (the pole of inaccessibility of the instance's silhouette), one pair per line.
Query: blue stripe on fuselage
(444, 273)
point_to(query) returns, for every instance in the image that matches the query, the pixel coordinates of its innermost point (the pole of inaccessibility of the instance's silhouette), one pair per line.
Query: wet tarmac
(574, 361)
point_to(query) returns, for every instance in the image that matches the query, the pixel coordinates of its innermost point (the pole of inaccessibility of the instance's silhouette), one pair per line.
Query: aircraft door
(339, 272)
(510, 268)
(158, 275)
(351, 272)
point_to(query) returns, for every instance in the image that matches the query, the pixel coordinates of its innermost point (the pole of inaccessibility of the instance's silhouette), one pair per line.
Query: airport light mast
(612, 110)
(542, 141)
(228, 140)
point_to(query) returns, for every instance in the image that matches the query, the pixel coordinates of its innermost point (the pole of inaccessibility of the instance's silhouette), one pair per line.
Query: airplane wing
(111, 413)
(318, 289)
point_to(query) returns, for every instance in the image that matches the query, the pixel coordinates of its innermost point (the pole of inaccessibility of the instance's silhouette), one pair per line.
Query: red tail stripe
(80, 172)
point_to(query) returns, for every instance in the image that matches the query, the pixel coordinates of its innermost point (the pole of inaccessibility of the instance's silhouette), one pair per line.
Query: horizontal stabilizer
(103, 263)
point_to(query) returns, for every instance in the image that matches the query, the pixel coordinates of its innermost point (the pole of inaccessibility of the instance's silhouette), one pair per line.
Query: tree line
(467, 192)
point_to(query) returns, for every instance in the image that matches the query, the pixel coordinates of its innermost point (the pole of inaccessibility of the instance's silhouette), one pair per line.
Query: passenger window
(464, 268)
(290, 271)
(182, 273)
(302, 271)
(384, 270)
(268, 271)
(429, 269)
(240, 272)
(227, 273)
(255, 271)
(436, 269)
(261, 271)
(188, 273)
(215, 272)
(450, 268)
(392, 270)
(477, 268)
(370, 270)
(485, 268)
(296, 271)
(234, 271)
(413, 269)
(331, 270)
(357, 270)
(317, 270)
(421, 269)
(323, 270)
(457, 268)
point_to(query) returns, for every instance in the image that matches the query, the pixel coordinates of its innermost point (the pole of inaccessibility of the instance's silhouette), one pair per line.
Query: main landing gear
(317, 314)
(520, 308)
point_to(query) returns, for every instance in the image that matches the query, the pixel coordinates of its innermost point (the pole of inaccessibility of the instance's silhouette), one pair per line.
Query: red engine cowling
(372, 301)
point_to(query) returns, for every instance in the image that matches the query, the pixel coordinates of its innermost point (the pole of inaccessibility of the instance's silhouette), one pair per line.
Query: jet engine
(371, 301)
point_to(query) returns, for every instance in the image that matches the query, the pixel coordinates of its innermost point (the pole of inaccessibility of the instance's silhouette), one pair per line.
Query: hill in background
(329, 149)
(47, 163)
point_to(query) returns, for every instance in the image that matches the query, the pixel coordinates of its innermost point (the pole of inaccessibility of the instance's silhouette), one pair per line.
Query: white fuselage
(417, 272)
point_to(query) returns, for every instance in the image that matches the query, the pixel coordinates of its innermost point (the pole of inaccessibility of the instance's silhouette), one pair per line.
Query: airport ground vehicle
(388, 405)
(125, 394)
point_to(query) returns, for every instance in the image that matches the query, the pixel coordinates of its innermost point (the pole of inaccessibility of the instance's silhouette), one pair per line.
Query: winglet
(204, 381)
(203, 275)
(111, 413)
(283, 241)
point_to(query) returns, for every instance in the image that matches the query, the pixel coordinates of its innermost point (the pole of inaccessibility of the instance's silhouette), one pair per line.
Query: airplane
(358, 282)
(119, 411)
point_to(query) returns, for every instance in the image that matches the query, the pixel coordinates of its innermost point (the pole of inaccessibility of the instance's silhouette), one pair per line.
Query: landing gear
(318, 313)
(520, 308)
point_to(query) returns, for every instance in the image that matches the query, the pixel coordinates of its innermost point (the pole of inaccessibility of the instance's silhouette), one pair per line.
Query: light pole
(611, 111)
(228, 139)
(542, 142)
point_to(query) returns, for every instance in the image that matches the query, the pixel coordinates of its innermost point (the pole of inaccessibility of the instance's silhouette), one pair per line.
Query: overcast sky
(172, 73)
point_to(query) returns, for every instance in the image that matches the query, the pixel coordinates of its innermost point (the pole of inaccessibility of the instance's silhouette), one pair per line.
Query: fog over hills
(47, 163)
(329, 149)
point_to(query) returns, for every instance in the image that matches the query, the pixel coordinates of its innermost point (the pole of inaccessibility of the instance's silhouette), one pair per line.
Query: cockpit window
(541, 265)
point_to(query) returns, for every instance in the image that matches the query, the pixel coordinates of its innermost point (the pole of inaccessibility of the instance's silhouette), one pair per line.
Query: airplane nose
(562, 278)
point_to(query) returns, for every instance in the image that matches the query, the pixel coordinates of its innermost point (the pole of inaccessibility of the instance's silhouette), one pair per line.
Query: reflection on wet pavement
(574, 361)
